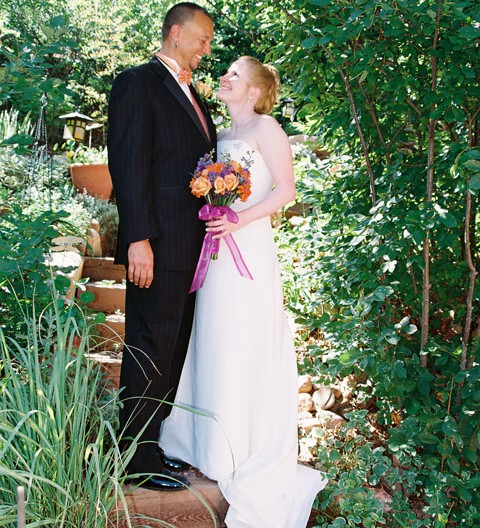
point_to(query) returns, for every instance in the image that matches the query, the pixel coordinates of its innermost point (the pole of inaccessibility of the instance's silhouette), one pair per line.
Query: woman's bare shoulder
(268, 130)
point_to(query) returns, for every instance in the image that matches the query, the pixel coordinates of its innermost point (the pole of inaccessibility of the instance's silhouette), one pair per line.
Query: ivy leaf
(473, 165)
(424, 381)
(309, 42)
(382, 292)
(320, 3)
(474, 183)
(469, 32)
(447, 218)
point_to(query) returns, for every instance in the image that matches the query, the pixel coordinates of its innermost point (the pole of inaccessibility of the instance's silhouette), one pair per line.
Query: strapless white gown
(240, 374)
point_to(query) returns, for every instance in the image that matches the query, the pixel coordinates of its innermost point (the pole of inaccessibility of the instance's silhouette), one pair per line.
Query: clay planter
(93, 177)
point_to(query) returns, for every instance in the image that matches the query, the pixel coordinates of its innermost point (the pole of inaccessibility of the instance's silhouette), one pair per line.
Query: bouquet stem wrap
(210, 246)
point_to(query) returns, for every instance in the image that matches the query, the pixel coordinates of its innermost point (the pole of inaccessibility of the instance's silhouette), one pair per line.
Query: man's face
(195, 37)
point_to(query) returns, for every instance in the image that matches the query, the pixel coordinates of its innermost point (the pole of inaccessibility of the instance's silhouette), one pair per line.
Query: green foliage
(31, 67)
(348, 280)
(24, 272)
(37, 204)
(392, 89)
(56, 435)
(79, 153)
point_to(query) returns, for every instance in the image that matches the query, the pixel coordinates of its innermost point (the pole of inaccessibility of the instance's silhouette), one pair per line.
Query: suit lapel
(180, 96)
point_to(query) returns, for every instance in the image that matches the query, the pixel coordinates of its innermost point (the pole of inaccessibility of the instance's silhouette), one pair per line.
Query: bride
(240, 372)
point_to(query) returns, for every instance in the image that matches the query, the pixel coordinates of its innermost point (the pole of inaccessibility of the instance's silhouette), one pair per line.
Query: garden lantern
(75, 125)
(288, 109)
(91, 127)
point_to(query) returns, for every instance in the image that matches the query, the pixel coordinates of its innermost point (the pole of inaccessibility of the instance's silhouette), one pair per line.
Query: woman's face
(234, 85)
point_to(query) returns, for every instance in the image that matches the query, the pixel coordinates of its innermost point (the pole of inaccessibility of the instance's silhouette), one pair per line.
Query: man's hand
(140, 263)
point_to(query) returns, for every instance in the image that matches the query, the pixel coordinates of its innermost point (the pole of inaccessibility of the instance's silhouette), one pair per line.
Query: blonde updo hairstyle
(266, 78)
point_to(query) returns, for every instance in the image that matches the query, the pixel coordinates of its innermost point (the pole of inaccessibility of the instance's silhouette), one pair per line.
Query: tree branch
(233, 22)
(373, 115)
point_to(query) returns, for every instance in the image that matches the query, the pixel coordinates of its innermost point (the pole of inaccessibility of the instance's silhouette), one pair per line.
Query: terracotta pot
(93, 177)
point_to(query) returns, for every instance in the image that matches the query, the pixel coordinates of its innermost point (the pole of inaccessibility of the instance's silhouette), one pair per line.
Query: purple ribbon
(210, 246)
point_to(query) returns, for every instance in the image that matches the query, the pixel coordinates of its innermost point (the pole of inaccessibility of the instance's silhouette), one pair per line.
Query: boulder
(305, 402)
(329, 420)
(305, 384)
(323, 398)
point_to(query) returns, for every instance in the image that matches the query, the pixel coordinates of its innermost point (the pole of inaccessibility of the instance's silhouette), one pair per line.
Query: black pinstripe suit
(154, 141)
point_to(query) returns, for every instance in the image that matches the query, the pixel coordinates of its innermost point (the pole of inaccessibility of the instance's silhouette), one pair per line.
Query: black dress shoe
(172, 464)
(166, 481)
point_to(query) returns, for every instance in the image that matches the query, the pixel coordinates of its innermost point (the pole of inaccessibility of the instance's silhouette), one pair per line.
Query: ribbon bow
(210, 246)
(185, 75)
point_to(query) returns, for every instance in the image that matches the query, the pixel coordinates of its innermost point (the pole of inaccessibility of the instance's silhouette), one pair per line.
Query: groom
(158, 129)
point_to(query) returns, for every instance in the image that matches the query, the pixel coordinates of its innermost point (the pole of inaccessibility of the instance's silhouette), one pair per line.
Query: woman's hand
(221, 227)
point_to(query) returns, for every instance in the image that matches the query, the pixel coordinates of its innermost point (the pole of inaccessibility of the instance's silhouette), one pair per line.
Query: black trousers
(157, 331)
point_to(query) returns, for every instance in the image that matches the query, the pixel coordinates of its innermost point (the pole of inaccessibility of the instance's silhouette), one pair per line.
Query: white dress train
(240, 376)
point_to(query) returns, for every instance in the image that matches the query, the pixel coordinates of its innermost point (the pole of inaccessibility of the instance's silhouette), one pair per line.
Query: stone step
(201, 506)
(110, 364)
(100, 268)
(111, 333)
(109, 297)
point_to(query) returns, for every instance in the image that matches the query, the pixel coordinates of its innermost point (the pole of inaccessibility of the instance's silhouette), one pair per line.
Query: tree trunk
(425, 323)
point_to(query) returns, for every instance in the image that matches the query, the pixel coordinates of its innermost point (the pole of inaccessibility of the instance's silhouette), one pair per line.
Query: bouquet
(220, 183)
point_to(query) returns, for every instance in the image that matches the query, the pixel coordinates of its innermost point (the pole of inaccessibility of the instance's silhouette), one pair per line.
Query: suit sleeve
(129, 156)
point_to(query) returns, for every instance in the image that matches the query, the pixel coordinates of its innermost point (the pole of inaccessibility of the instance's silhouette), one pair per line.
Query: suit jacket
(155, 139)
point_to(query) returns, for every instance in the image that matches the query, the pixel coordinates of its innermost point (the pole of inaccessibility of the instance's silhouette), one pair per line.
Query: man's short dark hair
(179, 14)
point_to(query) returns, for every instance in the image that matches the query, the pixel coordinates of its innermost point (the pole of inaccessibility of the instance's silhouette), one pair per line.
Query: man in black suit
(158, 129)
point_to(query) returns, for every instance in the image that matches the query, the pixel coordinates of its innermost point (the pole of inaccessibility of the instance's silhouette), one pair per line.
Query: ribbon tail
(202, 264)
(237, 257)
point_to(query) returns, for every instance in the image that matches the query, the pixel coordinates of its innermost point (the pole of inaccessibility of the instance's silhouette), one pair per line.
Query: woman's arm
(276, 151)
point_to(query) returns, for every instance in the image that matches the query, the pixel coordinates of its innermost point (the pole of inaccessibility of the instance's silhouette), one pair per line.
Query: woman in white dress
(240, 372)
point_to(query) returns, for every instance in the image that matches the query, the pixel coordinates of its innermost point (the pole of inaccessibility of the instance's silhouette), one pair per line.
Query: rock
(347, 386)
(305, 415)
(305, 383)
(308, 424)
(337, 393)
(305, 455)
(305, 403)
(342, 406)
(94, 243)
(323, 398)
(385, 498)
(329, 420)
(95, 224)
(67, 260)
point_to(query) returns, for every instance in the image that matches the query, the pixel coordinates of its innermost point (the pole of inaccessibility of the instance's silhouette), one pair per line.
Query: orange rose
(200, 186)
(219, 185)
(231, 181)
(203, 89)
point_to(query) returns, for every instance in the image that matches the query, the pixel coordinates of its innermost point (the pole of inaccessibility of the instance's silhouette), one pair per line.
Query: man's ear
(175, 32)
